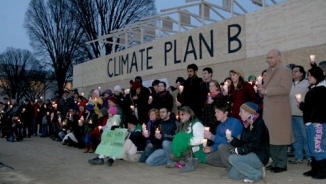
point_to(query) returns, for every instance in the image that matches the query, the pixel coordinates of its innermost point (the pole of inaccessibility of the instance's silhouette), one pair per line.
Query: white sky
(12, 15)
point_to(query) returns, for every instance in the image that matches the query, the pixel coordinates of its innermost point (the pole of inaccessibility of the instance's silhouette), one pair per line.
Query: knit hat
(113, 110)
(117, 88)
(317, 73)
(132, 120)
(108, 91)
(251, 77)
(104, 111)
(97, 92)
(113, 99)
(250, 107)
(82, 104)
(239, 72)
(134, 85)
(89, 107)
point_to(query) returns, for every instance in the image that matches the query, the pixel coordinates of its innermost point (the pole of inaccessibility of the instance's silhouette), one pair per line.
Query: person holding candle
(148, 132)
(162, 98)
(218, 153)
(188, 141)
(106, 94)
(207, 77)
(313, 108)
(251, 151)
(97, 101)
(89, 124)
(299, 88)
(65, 103)
(214, 97)
(27, 118)
(252, 80)
(163, 136)
(194, 93)
(277, 109)
(240, 92)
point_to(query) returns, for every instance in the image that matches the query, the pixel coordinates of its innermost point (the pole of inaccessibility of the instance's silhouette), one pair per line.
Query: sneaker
(170, 165)
(295, 161)
(224, 175)
(248, 181)
(110, 162)
(96, 161)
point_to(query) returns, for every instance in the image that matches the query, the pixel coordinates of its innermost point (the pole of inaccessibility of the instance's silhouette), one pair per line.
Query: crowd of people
(240, 125)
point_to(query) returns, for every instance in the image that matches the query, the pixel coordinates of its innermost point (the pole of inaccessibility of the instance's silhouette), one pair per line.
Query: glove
(233, 151)
(114, 127)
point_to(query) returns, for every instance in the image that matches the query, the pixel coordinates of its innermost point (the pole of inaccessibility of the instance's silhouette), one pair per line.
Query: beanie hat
(317, 73)
(117, 88)
(113, 99)
(250, 107)
(108, 91)
(90, 107)
(104, 111)
(113, 110)
(134, 85)
(132, 120)
(97, 92)
(239, 72)
(251, 77)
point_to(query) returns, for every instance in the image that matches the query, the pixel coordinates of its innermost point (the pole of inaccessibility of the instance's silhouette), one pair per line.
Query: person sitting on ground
(219, 151)
(188, 140)
(163, 136)
(251, 152)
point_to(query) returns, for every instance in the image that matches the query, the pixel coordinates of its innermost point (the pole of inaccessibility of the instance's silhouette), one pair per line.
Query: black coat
(313, 107)
(255, 140)
(162, 99)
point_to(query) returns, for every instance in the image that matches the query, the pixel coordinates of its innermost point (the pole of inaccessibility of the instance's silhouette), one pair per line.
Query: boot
(91, 149)
(314, 168)
(321, 173)
(190, 163)
(87, 148)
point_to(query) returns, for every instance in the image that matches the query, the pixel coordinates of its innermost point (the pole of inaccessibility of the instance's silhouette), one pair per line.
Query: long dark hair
(184, 126)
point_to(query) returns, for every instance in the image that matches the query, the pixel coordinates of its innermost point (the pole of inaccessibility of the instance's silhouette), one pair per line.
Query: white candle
(38, 110)
(206, 128)
(114, 124)
(204, 142)
(143, 126)
(99, 127)
(177, 116)
(10, 106)
(145, 132)
(259, 79)
(255, 88)
(181, 88)
(250, 82)
(226, 88)
(127, 91)
(90, 122)
(82, 94)
(132, 107)
(23, 109)
(59, 119)
(228, 133)
(157, 131)
(150, 97)
(312, 58)
(99, 88)
(298, 97)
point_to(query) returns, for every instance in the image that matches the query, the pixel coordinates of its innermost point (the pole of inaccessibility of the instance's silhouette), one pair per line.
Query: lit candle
(181, 88)
(209, 96)
(41, 97)
(204, 142)
(99, 127)
(143, 126)
(90, 122)
(38, 110)
(127, 91)
(23, 109)
(259, 79)
(82, 94)
(250, 82)
(114, 124)
(225, 87)
(10, 106)
(8, 103)
(47, 113)
(206, 128)
(255, 88)
(132, 107)
(298, 97)
(177, 116)
(75, 101)
(228, 134)
(80, 123)
(145, 132)
(99, 88)
(59, 119)
(150, 97)
(312, 58)
(157, 131)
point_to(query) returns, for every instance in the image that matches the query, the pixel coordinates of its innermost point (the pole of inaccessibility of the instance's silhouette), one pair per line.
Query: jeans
(245, 166)
(147, 152)
(44, 129)
(88, 139)
(161, 156)
(316, 136)
(300, 137)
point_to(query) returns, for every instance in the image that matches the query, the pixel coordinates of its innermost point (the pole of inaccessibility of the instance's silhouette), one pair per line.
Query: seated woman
(251, 152)
(219, 151)
(188, 140)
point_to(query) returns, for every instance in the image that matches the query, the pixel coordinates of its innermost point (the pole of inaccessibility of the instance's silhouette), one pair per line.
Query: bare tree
(100, 17)
(21, 74)
(56, 36)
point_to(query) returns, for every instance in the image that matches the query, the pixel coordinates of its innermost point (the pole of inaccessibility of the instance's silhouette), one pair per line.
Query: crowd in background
(245, 121)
